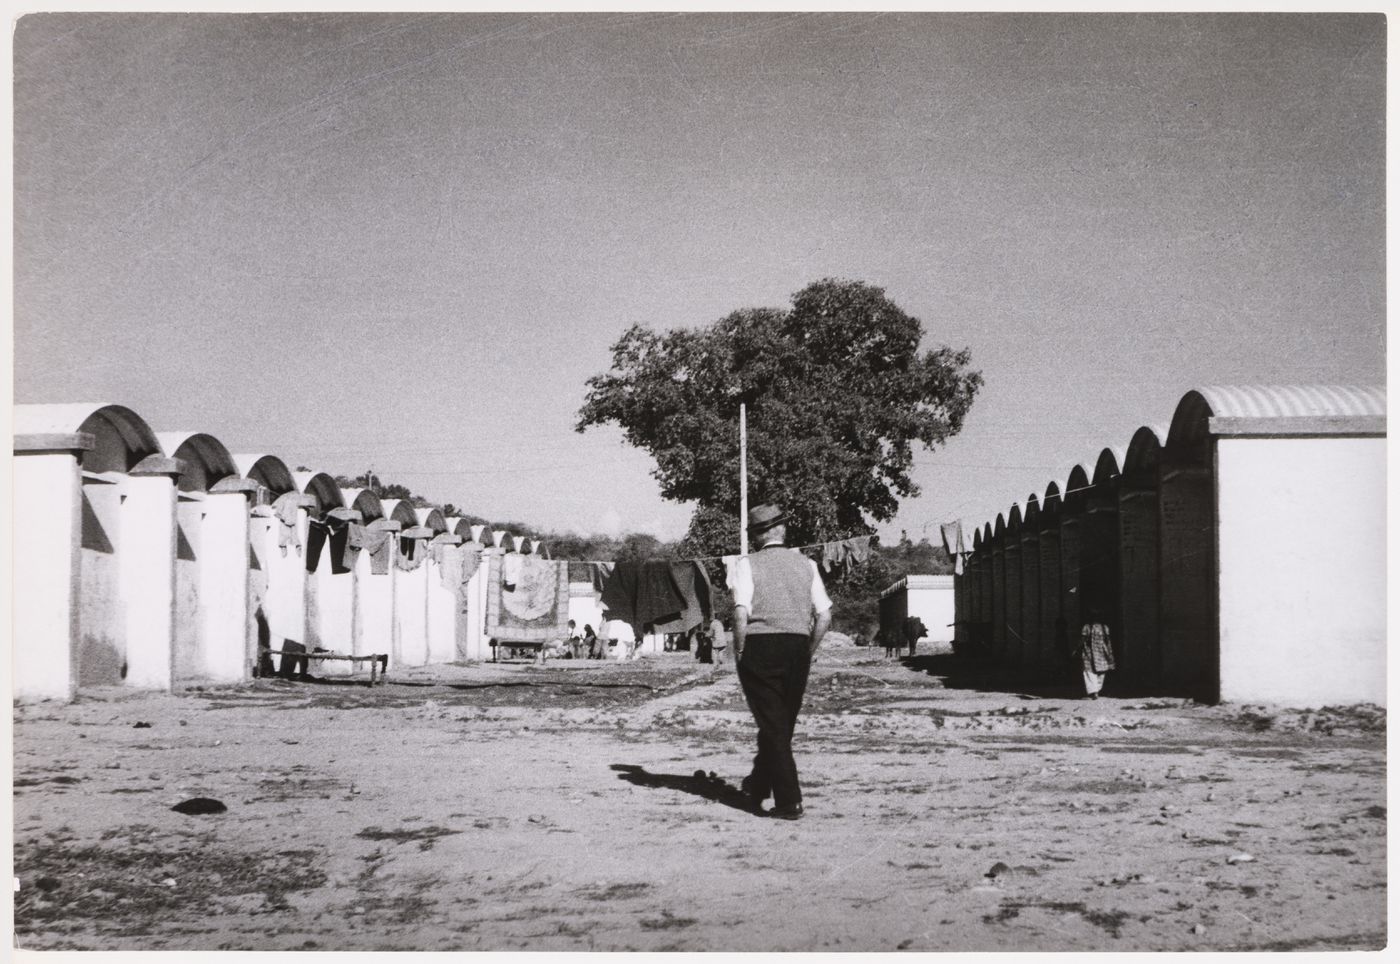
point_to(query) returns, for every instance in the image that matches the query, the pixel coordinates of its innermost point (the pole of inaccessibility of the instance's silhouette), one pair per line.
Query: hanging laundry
(511, 563)
(355, 534)
(729, 563)
(953, 544)
(537, 609)
(413, 548)
(448, 558)
(332, 530)
(844, 552)
(471, 562)
(641, 594)
(285, 509)
(439, 545)
(598, 573)
(378, 541)
(315, 539)
(693, 583)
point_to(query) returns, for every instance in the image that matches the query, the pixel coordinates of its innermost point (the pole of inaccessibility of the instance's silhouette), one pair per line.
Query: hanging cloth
(413, 548)
(333, 531)
(511, 564)
(642, 594)
(285, 509)
(953, 544)
(598, 573)
(449, 559)
(844, 552)
(377, 541)
(536, 610)
(693, 583)
(471, 561)
(729, 563)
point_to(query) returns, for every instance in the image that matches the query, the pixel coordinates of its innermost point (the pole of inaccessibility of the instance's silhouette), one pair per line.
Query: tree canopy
(838, 394)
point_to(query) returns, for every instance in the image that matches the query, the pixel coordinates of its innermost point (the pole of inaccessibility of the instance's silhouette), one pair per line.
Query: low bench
(499, 644)
(378, 662)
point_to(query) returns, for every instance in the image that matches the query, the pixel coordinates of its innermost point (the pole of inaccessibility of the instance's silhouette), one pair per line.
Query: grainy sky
(405, 241)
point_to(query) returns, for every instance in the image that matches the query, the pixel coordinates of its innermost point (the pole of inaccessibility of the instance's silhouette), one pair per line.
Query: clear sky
(405, 241)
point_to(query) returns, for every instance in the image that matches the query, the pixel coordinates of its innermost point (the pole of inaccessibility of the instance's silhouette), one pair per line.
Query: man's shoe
(752, 797)
(792, 811)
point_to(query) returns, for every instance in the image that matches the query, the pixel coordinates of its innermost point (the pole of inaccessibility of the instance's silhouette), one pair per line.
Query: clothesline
(815, 545)
(608, 562)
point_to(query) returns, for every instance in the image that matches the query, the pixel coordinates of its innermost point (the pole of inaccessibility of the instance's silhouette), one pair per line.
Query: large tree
(838, 394)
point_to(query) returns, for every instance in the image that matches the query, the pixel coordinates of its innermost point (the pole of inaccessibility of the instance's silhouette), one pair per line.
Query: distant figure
(700, 643)
(914, 630)
(590, 639)
(1095, 653)
(719, 641)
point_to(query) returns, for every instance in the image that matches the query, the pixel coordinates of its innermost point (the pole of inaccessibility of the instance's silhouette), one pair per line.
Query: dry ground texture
(489, 807)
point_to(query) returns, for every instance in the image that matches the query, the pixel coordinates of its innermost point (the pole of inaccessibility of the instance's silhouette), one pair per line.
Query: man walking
(719, 642)
(781, 613)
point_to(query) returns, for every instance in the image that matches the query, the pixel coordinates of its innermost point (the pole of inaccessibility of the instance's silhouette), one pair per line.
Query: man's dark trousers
(773, 674)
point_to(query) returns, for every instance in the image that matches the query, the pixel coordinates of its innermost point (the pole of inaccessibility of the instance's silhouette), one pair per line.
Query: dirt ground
(504, 807)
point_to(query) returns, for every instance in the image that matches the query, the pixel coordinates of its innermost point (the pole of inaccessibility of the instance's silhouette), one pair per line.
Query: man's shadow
(698, 784)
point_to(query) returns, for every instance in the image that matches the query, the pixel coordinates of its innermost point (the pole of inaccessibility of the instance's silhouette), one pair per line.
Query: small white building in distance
(928, 597)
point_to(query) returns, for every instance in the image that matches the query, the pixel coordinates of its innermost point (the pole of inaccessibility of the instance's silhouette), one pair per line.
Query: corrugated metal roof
(1292, 401)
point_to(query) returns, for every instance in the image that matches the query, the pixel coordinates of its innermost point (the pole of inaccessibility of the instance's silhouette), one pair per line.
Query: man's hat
(764, 517)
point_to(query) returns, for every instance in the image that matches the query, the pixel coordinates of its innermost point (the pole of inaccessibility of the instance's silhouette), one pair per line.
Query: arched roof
(399, 510)
(1030, 520)
(1107, 465)
(268, 471)
(1000, 528)
(1013, 520)
(325, 488)
(205, 458)
(1272, 409)
(986, 534)
(976, 539)
(1050, 505)
(432, 517)
(365, 502)
(121, 437)
(1076, 490)
(1144, 454)
(459, 526)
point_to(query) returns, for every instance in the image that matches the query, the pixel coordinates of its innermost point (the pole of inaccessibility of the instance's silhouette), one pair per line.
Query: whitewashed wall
(1302, 570)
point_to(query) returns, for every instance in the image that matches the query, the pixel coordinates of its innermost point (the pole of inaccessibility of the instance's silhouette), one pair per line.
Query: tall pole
(743, 480)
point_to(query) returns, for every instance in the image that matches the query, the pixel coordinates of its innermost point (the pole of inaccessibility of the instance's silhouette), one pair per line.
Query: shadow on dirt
(715, 790)
(960, 672)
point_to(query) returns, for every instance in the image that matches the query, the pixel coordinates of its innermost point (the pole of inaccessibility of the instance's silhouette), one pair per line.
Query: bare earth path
(515, 807)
